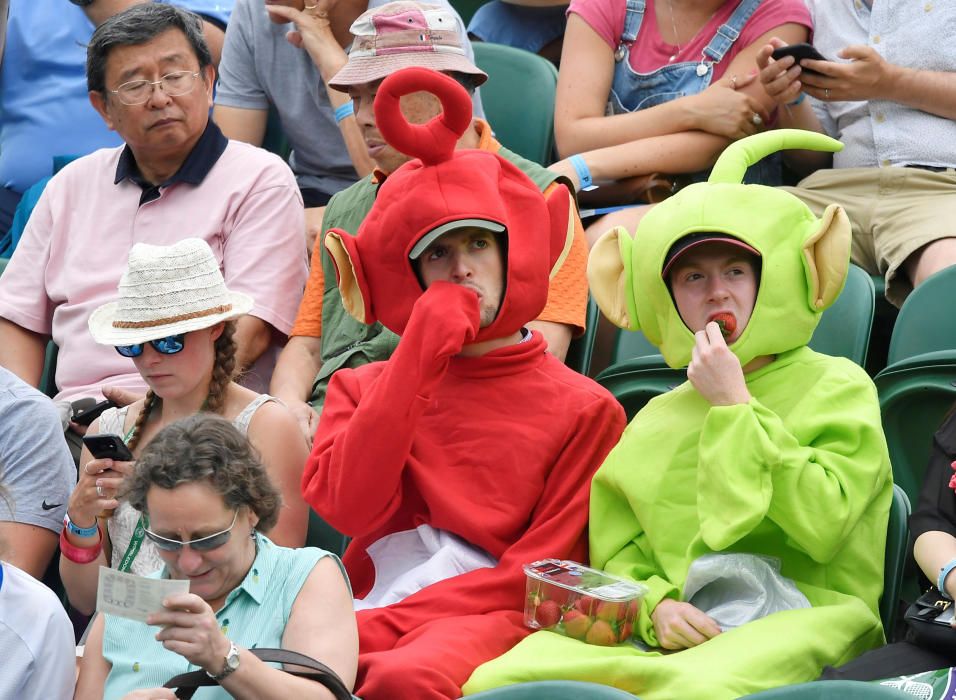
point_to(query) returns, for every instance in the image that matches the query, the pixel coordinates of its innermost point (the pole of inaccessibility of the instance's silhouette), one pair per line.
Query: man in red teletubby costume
(470, 451)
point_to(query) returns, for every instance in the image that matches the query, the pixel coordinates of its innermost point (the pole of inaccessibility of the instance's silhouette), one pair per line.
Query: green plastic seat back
(554, 690)
(322, 535)
(926, 322)
(467, 9)
(633, 383)
(844, 328)
(48, 378)
(581, 349)
(829, 690)
(519, 99)
(915, 395)
(274, 140)
(897, 542)
(631, 345)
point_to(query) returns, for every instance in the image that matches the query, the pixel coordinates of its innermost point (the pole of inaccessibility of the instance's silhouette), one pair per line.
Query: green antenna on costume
(740, 155)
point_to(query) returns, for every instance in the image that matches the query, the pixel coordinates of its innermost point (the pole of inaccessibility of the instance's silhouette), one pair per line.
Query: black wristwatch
(82, 3)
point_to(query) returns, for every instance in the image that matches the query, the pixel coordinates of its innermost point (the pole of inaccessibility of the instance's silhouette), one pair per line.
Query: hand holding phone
(108, 446)
(799, 52)
(100, 483)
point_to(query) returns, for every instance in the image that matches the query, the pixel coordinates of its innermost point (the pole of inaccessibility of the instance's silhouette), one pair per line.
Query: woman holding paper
(208, 498)
(175, 319)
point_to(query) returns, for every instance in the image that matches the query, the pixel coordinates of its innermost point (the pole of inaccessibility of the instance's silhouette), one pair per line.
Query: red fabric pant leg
(434, 661)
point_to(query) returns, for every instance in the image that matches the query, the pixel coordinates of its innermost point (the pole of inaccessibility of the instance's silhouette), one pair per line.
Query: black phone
(799, 52)
(85, 411)
(108, 446)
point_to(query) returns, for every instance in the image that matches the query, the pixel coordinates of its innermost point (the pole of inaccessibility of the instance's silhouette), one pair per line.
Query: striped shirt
(917, 35)
(254, 615)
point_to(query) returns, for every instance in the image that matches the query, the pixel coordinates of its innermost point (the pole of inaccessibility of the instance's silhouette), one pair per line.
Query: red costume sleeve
(361, 446)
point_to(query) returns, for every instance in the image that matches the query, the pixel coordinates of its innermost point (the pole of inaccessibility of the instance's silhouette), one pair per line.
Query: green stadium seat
(915, 395)
(581, 349)
(467, 9)
(322, 535)
(926, 322)
(48, 378)
(519, 99)
(274, 140)
(897, 544)
(844, 328)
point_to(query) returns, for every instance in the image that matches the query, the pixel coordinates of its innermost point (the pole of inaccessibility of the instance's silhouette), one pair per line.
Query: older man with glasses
(150, 78)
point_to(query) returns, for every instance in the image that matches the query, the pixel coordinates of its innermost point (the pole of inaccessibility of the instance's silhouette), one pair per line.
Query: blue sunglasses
(169, 345)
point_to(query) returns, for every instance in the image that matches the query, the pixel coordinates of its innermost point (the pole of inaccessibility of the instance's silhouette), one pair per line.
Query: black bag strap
(188, 683)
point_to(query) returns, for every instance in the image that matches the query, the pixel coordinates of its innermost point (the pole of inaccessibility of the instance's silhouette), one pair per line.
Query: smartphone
(799, 52)
(108, 446)
(85, 411)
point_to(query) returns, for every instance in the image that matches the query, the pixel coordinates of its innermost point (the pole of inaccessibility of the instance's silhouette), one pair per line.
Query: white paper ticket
(132, 596)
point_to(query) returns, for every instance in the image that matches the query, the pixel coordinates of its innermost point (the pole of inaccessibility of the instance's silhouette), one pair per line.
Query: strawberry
(727, 323)
(547, 614)
(625, 633)
(609, 612)
(586, 605)
(576, 623)
(601, 633)
(633, 609)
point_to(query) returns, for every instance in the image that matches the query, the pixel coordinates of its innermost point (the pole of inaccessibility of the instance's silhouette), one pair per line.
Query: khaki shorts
(894, 212)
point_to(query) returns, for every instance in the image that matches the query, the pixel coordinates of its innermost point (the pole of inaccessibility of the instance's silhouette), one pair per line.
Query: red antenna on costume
(434, 142)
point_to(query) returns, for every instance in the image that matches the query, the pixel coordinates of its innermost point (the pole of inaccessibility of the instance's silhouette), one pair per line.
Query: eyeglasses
(169, 345)
(136, 92)
(203, 544)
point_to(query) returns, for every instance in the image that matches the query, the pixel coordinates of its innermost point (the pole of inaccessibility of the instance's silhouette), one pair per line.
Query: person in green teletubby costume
(795, 468)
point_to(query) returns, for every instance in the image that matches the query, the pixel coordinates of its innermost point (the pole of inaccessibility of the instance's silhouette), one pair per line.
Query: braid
(223, 369)
(151, 400)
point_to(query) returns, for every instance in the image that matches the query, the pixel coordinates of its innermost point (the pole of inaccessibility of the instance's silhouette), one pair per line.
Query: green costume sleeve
(813, 476)
(620, 546)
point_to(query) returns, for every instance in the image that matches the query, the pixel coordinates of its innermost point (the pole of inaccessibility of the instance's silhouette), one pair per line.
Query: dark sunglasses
(169, 345)
(203, 544)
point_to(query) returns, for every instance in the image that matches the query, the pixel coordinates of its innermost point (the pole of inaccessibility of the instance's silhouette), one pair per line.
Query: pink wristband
(80, 555)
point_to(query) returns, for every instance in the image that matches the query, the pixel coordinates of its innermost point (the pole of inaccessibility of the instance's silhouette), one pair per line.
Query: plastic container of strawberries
(581, 602)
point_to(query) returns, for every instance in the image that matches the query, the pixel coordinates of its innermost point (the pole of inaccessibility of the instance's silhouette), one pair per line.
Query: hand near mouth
(714, 370)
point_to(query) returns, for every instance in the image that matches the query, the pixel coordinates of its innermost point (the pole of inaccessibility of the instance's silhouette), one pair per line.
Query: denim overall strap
(633, 17)
(729, 31)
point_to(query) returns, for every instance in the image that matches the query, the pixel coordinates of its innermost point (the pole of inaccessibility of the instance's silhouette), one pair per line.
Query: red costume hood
(375, 275)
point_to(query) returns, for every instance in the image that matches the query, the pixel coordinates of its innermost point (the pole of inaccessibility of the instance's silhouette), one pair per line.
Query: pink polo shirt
(75, 248)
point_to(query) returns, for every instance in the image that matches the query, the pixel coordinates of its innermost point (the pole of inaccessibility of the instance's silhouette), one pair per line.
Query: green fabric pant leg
(784, 648)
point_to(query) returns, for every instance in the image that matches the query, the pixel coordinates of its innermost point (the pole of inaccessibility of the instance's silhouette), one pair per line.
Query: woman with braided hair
(175, 319)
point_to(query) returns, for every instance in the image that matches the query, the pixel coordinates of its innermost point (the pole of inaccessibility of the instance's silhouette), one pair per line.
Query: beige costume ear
(609, 277)
(351, 279)
(826, 256)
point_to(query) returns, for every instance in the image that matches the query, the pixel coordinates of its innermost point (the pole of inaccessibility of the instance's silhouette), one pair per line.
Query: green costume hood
(804, 260)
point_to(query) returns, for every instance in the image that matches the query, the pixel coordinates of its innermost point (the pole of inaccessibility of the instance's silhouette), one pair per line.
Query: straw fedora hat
(167, 290)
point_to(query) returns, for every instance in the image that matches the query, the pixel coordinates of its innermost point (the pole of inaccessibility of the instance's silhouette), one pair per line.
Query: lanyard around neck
(139, 532)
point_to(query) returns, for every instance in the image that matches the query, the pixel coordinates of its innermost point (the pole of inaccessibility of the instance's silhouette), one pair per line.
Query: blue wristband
(584, 173)
(343, 111)
(80, 531)
(941, 580)
(797, 101)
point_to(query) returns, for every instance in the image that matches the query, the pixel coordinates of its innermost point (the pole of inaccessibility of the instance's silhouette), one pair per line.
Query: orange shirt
(567, 297)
